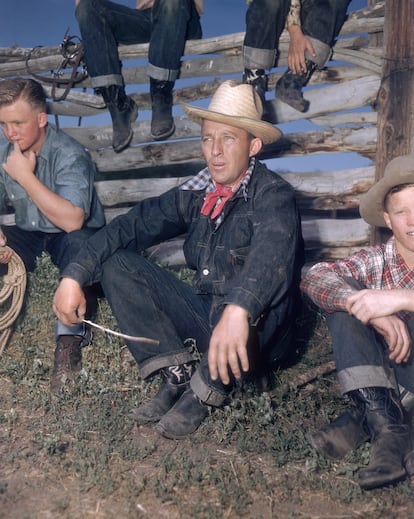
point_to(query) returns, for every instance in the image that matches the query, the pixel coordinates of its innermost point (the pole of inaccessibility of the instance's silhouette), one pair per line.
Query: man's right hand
(69, 303)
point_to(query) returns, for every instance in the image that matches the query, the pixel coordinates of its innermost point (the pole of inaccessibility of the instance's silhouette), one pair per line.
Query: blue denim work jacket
(252, 259)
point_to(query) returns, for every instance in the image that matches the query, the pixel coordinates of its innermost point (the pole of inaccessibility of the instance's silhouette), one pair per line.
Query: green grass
(250, 458)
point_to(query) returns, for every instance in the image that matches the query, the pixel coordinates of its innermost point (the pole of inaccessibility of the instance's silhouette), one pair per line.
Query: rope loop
(14, 287)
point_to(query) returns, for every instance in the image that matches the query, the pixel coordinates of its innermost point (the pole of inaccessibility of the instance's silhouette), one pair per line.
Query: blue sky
(28, 23)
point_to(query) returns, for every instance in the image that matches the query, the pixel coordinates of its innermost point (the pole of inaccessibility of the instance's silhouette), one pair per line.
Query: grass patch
(81, 455)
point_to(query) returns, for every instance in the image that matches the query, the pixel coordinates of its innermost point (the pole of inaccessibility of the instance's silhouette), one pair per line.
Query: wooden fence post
(395, 102)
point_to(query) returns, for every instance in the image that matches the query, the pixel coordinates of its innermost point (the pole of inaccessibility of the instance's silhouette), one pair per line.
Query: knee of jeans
(172, 8)
(84, 9)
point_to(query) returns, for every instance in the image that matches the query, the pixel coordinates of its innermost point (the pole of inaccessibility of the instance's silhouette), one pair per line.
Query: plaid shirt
(379, 268)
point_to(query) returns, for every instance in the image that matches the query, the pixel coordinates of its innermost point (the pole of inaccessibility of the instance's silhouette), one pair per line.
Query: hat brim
(262, 129)
(397, 172)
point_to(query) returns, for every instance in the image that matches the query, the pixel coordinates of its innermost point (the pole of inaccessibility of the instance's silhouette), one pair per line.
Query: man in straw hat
(369, 304)
(243, 241)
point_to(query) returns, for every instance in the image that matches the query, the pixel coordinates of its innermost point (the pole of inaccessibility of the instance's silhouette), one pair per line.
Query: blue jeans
(361, 356)
(62, 248)
(149, 301)
(321, 21)
(104, 24)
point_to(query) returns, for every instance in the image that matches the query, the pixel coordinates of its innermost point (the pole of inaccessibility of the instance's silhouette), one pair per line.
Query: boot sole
(164, 135)
(372, 483)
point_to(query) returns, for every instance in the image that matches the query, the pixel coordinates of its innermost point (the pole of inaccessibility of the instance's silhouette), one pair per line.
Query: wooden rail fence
(341, 119)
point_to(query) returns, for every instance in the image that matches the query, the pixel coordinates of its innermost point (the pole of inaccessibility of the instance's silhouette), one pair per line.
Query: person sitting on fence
(242, 239)
(369, 303)
(47, 178)
(166, 25)
(313, 26)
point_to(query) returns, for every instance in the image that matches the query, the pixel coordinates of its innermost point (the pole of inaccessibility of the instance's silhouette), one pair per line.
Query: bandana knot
(215, 201)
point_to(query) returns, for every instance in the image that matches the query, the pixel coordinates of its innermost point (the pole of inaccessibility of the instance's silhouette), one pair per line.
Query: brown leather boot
(67, 363)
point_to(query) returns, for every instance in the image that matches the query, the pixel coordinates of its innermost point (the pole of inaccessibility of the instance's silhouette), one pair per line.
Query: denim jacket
(252, 259)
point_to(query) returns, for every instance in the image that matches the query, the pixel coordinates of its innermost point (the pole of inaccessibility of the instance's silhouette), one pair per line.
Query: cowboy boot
(123, 111)
(390, 438)
(342, 435)
(67, 364)
(162, 122)
(184, 417)
(175, 380)
(259, 80)
(289, 87)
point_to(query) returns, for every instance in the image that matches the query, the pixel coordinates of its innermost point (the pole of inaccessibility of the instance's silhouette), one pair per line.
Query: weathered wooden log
(362, 141)
(81, 104)
(317, 185)
(338, 240)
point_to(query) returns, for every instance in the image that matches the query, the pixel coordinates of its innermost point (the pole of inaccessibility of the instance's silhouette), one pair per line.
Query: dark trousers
(104, 25)
(62, 248)
(361, 356)
(149, 301)
(265, 20)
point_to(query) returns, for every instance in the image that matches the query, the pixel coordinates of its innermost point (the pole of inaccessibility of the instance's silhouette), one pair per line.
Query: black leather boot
(175, 380)
(184, 417)
(162, 122)
(342, 435)
(289, 87)
(123, 112)
(259, 80)
(390, 438)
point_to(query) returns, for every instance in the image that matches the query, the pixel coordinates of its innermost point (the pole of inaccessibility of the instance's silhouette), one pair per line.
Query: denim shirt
(65, 168)
(252, 259)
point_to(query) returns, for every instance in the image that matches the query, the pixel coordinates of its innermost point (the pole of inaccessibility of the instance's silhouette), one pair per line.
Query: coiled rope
(14, 287)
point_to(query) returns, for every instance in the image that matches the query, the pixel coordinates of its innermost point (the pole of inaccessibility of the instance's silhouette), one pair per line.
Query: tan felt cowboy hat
(398, 171)
(239, 106)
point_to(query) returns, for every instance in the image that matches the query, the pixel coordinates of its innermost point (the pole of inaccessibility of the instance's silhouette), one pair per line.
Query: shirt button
(206, 272)
(33, 224)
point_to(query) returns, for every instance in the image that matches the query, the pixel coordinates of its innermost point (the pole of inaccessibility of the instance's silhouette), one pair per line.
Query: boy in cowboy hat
(243, 241)
(369, 304)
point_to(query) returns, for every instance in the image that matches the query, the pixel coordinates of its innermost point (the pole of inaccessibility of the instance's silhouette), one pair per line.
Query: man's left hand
(228, 345)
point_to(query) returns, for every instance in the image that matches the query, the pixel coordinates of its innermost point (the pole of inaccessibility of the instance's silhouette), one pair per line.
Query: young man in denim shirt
(166, 25)
(47, 178)
(242, 239)
(313, 26)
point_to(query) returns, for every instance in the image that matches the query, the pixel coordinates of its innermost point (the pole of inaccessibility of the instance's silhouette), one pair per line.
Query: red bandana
(215, 201)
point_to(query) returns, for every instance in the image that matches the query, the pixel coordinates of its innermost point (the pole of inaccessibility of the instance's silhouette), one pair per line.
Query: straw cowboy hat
(236, 105)
(398, 171)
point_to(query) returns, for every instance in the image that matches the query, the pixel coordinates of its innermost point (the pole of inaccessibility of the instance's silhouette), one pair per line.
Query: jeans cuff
(79, 329)
(105, 81)
(206, 393)
(154, 364)
(162, 74)
(322, 50)
(357, 377)
(259, 58)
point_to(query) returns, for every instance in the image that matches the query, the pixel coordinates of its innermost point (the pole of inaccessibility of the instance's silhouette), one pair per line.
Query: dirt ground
(81, 457)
